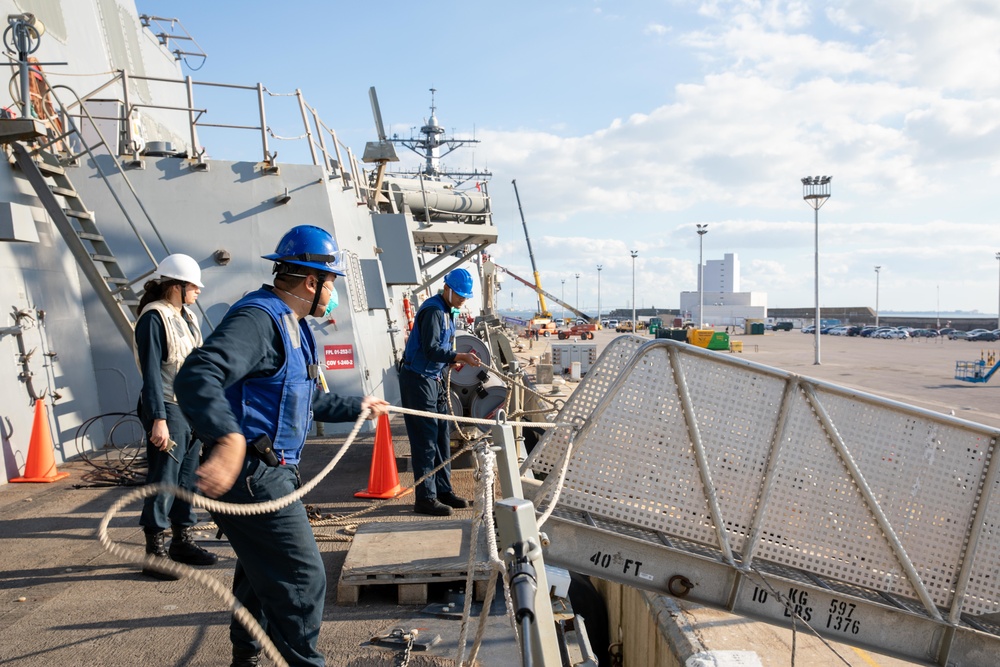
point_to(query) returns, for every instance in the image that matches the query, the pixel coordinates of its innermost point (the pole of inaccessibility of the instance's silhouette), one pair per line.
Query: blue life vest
(413, 356)
(280, 405)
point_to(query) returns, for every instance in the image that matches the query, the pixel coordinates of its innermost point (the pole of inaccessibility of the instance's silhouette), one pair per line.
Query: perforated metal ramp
(772, 493)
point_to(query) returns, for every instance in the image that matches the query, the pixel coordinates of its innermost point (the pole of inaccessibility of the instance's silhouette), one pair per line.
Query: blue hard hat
(460, 281)
(308, 245)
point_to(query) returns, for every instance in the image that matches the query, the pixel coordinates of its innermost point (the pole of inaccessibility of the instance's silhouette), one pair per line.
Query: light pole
(635, 325)
(578, 291)
(816, 190)
(599, 267)
(563, 297)
(877, 269)
(998, 300)
(702, 230)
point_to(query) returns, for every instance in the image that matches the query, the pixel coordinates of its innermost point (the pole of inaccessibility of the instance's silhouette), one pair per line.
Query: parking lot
(916, 371)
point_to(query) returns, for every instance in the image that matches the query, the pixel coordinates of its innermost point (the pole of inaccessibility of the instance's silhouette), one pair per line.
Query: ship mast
(432, 145)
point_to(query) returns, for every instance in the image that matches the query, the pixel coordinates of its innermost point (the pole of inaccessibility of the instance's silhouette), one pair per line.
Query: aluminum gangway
(777, 496)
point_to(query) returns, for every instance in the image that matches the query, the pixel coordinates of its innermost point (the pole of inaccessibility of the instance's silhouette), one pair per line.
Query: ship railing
(68, 126)
(326, 150)
(74, 129)
(316, 133)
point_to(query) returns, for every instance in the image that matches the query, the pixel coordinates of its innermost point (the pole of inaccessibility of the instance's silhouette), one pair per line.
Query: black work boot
(184, 550)
(155, 545)
(245, 657)
(432, 507)
(451, 500)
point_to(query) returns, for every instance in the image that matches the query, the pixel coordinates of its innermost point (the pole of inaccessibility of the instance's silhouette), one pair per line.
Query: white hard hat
(180, 267)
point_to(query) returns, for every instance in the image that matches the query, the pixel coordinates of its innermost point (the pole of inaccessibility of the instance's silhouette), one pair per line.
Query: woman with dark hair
(165, 334)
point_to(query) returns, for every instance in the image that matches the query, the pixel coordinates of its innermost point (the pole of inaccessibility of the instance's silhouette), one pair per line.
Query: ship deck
(66, 601)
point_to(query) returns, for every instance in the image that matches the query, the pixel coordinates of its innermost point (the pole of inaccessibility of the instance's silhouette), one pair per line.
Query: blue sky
(626, 123)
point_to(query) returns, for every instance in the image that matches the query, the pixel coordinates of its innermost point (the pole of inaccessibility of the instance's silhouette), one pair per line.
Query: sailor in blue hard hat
(251, 391)
(429, 350)
(313, 248)
(460, 281)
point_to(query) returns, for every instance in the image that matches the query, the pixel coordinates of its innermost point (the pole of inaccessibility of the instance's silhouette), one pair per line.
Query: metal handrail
(121, 205)
(315, 130)
(74, 129)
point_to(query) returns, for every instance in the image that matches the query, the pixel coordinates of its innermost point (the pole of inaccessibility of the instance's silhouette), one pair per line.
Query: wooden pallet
(410, 556)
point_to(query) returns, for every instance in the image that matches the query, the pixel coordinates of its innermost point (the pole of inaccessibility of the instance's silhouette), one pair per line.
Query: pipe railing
(315, 135)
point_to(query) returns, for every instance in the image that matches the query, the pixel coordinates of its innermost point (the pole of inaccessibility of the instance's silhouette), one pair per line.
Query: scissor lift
(770, 494)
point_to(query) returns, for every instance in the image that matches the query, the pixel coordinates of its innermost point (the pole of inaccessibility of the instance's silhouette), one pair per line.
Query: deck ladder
(79, 229)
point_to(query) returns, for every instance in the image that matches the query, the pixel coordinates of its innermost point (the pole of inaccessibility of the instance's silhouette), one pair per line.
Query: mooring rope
(242, 615)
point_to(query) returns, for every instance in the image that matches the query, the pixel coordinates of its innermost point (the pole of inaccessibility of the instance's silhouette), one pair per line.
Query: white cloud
(899, 101)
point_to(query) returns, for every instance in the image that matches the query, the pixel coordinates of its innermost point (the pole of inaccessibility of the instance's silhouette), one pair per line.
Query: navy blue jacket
(428, 349)
(246, 344)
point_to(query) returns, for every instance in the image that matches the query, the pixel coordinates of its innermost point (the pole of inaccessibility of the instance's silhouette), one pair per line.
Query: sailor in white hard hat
(166, 332)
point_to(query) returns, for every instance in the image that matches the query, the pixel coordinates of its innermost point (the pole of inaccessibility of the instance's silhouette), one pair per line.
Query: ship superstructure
(122, 177)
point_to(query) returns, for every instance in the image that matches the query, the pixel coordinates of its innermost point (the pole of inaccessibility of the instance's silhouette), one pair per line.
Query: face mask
(332, 303)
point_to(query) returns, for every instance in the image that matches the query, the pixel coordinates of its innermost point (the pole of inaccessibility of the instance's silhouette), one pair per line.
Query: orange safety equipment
(408, 312)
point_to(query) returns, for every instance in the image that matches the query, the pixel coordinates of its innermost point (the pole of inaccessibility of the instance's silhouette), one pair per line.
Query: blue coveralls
(421, 387)
(163, 510)
(250, 376)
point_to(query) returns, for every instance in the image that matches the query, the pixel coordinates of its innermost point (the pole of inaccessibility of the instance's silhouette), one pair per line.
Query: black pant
(163, 510)
(430, 441)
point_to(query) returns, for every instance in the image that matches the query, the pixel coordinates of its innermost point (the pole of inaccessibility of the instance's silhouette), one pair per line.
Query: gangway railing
(779, 496)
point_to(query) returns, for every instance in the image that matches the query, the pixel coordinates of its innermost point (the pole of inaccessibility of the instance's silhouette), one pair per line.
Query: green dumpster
(720, 341)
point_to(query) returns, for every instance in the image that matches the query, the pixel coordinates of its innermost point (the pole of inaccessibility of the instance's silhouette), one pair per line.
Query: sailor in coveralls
(421, 387)
(258, 375)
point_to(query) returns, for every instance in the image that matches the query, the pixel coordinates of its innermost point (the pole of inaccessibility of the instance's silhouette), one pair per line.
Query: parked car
(957, 335)
(838, 331)
(982, 336)
(892, 333)
(782, 326)
(809, 328)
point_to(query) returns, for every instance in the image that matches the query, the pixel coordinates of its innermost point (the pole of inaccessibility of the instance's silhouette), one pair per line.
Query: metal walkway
(773, 495)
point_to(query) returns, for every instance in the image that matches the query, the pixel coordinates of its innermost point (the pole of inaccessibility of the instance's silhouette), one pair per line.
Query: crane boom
(543, 293)
(543, 310)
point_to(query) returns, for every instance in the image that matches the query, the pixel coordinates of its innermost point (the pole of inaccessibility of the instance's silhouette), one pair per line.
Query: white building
(724, 304)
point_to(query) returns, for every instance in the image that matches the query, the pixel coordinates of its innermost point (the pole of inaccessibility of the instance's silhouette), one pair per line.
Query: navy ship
(108, 173)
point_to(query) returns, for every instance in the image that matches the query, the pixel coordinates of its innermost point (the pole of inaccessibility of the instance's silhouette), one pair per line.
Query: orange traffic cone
(41, 464)
(383, 480)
